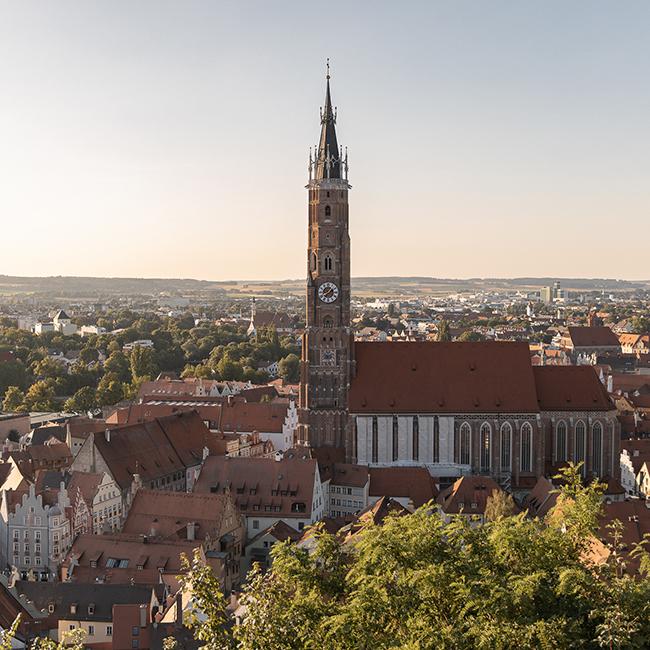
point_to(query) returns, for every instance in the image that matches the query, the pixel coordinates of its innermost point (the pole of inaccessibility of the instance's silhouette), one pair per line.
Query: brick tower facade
(328, 339)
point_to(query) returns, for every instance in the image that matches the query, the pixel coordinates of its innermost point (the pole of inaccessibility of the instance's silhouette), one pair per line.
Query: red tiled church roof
(443, 377)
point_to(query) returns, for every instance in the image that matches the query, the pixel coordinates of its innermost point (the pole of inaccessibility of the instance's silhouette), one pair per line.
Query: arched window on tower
(464, 448)
(526, 461)
(597, 449)
(560, 442)
(328, 262)
(581, 446)
(328, 211)
(327, 322)
(486, 437)
(506, 442)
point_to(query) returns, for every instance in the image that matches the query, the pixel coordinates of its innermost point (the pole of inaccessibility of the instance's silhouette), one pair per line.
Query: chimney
(278, 456)
(107, 435)
(191, 531)
(610, 383)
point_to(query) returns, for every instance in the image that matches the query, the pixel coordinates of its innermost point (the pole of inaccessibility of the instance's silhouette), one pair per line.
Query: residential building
(468, 496)
(267, 490)
(35, 531)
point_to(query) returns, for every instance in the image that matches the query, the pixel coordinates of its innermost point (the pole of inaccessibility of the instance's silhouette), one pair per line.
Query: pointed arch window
(436, 441)
(597, 444)
(464, 448)
(486, 439)
(506, 444)
(581, 445)
(526, 460)
(328, 211)
(328, 262)
(395, 438)
(560, 442)
(375, 439)
(416, 438)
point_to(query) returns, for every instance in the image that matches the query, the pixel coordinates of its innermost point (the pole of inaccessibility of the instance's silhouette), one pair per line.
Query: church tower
(327, 342)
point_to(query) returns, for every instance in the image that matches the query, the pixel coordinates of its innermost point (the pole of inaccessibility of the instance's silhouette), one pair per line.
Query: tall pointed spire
(328, 162)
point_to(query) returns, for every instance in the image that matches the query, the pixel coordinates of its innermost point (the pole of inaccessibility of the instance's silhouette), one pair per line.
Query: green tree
(415, 582)
(444, 334)
(117, 364)
(143, 363)
(40, 397)
(83, 400)
(13, 400)
(470, 336)
(289, 368)
(12, 373)
(110, 390)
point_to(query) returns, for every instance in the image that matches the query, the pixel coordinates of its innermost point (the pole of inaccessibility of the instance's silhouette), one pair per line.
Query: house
(165, 453)
(125, 559)
(347, 489)
(267, 490)
(212, 519)
(258, 549)
(635, 462)
(140, 343)
(468, 496)
(69, 606)
(410, 486)
(35, 531)
(63, 324)
(637, 344)
(78, 428)
(589, 340)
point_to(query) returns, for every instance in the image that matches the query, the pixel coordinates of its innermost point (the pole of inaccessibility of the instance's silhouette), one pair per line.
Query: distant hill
(89, 287)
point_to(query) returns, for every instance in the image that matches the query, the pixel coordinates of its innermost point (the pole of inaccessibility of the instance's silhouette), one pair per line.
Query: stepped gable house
(456, 408)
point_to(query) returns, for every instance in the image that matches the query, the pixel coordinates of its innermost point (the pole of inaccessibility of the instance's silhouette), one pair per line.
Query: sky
(170, 139)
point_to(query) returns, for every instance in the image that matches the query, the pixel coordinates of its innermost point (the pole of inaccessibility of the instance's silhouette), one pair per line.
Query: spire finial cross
(328, 67)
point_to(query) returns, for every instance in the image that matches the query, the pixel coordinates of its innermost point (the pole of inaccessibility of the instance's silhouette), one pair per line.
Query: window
(416, 437)
(374, 439)
(597, 442)
(16, 534)
(328, 211)
(581, 446)
(560, 442)
(436, 440)
(37, 535)
(135, 631)
(256, 523)
(37, 561)
(135, 643)
(506, 442)
(109, 630)
(526, 447)
(486, 435)
(328, 262)
(91, 630)
(465, 444)
(395, 438)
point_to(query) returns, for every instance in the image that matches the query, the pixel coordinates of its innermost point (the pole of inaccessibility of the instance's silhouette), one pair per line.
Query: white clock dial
(328, 292)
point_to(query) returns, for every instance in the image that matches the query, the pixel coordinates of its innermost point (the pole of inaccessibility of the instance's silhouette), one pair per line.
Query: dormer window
(73, 608)
(50, 608)
(91, 609)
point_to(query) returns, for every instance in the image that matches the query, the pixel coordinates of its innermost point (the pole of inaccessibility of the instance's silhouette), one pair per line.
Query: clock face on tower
(328, 292)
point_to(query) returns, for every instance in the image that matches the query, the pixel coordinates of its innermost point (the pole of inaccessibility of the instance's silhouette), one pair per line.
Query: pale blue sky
(169, 139)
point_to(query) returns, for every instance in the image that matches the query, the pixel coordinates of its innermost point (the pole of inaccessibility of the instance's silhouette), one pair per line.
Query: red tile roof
(585, 337)
(469, 495)
(154, 449)
(570, 388)
(166, 514)
(262, 486)
(413, 482)
(350, 475)
(448, 377)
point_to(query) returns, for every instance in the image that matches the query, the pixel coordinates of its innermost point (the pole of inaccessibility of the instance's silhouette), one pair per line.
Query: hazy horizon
(165, 140)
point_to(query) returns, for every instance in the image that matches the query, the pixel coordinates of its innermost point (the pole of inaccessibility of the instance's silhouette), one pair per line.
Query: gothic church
(456, 408)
